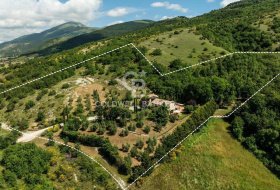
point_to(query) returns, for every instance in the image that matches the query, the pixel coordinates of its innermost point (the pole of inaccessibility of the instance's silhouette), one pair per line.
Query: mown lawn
(212, 159)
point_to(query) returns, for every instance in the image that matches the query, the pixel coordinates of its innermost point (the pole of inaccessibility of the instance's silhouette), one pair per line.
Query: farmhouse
(174, 107)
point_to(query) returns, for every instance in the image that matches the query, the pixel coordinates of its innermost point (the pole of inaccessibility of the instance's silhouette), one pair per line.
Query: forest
(30, 167)
(256, 126)
(218, 84)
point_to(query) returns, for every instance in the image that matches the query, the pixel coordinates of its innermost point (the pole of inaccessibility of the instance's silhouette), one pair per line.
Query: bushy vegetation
(257, 127)
(170, 141)
(239, 37)
(30, 167)
(276, 25)
(210, 159)
(221, 83)
(27, 162)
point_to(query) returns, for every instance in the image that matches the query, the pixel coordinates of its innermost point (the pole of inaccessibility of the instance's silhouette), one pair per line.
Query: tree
(65, 113)
(88, 104)
(112, 128)
(125, 168)
(52, 93)
(139, 144)
(237, 128)
(147, 129)
(65, 86)
(29, 105)
(10, 178)
(50, 138)
(128, 96)
(95, 96)
(10, 107)
(132, 127)
(80, 109)
(176, 64)
(160, 115)
(173, 118)
(112, 82)
(200, 90)
(189, 109)
(124, 132)
(40, 116)
(20, 124)
(125, 147)
(7, 140)
(139, 124)
(25, 159)
(156, 52)
(101, 130)
(222, 90)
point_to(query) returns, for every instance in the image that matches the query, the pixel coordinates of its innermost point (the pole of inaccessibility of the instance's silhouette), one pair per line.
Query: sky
(22, 17)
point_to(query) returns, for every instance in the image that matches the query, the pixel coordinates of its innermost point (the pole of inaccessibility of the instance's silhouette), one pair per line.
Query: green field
(186, 45)
(212, 159)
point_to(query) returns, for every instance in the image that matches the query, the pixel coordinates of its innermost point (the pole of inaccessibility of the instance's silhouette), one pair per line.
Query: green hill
(37, 41)
(107, 32)
(249, 25)
(212, 159)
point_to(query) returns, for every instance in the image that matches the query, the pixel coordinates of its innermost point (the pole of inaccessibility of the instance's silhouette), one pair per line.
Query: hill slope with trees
(223, 83)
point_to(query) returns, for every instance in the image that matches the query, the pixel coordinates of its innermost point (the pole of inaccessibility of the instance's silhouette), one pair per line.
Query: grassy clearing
(212, 159)
(186, 45)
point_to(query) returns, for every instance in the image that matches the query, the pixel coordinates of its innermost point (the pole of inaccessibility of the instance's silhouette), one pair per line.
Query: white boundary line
(217, 58)
(214, 59)
(58, 71)
(91, 158)
(131, 44)
(226, 116)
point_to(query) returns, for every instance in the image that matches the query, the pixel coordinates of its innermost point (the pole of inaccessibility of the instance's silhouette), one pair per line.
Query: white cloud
(227, 2)
(116, 22)
(170, 6)
(167, 17)
(210, 1)
(20, 17)
(120, 11)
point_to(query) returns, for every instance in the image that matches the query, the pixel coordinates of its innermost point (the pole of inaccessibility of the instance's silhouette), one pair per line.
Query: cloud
(227, 2)
(210, 1)
(20, 17)
(167, 5)
(167, 17)
(116, 22)
(120, 11)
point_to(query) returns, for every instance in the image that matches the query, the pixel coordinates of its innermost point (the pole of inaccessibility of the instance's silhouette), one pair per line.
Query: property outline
(132, 44)
(181, 69)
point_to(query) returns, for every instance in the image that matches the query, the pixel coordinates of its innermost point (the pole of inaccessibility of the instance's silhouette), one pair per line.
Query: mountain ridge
(41, 40)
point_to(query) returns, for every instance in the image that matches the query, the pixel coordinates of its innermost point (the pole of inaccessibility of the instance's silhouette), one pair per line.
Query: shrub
(156, 52)
(65, 86)
(29, 105)
(139, 144)
(147, 130)
(173, 118)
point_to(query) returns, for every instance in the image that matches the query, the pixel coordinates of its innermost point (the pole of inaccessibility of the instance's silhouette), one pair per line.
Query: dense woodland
(26, 166)
(217, 84)
(257, 126)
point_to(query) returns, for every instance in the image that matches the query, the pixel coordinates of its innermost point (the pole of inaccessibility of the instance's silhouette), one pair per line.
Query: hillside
(128, 139)
(26, 167)
(107, 32)
(182, 44)
(211, 159)
(37, 41)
